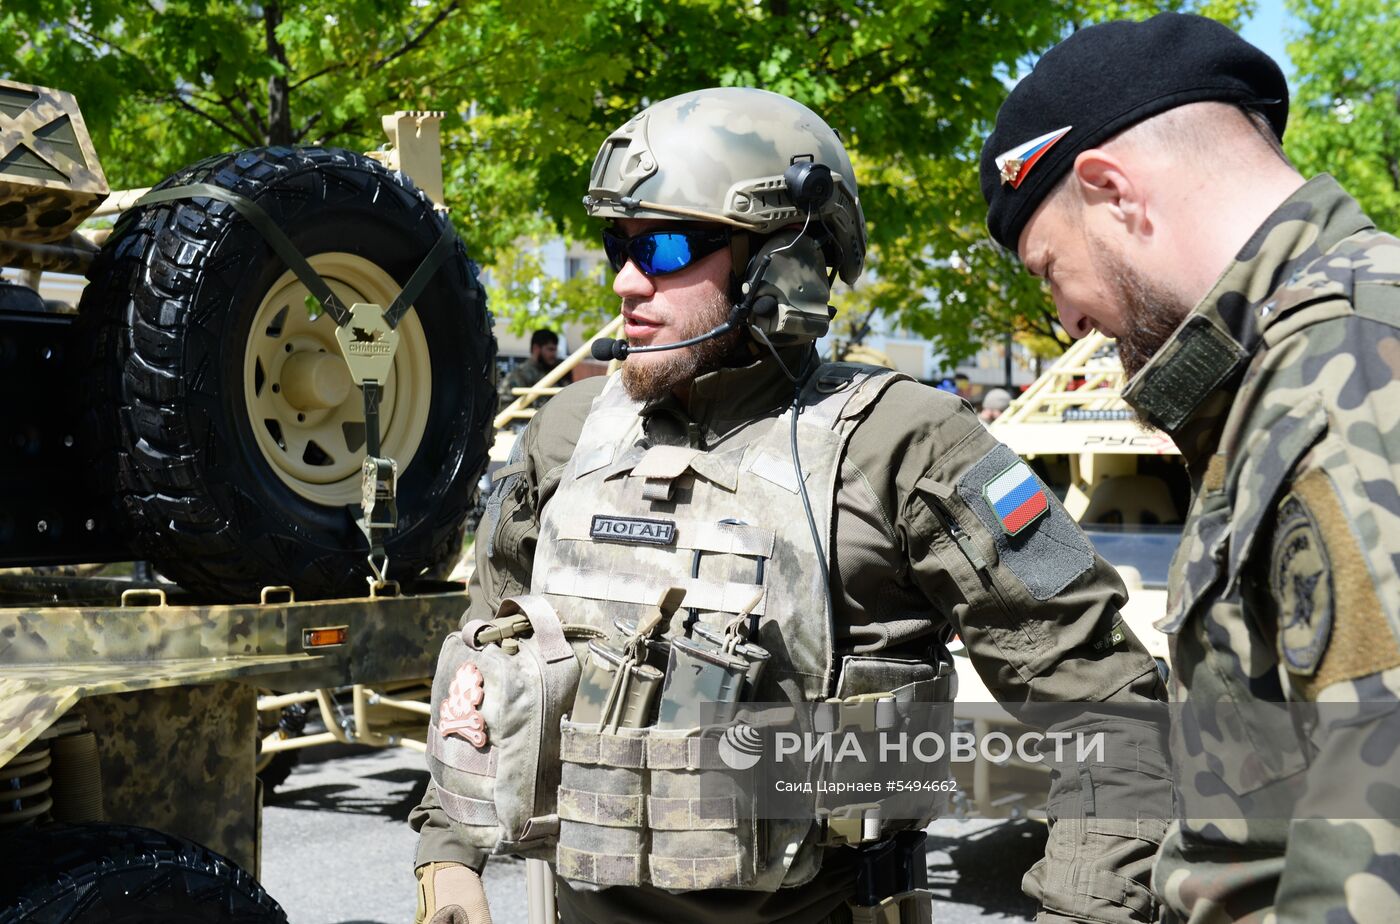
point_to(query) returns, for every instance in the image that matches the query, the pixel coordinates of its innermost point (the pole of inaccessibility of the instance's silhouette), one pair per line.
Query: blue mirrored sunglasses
(657, 253)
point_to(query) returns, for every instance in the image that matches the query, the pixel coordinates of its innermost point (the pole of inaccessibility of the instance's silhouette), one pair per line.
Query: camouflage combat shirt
(1282, 390)
(524, 375)
(1034, 613)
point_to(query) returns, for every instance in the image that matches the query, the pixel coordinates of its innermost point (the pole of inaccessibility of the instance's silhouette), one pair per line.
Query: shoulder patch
(1017, 497)
(1300, 576)
(1034, 535)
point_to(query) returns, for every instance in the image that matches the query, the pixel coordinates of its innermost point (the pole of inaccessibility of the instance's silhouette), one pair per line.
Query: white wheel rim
(318, 452)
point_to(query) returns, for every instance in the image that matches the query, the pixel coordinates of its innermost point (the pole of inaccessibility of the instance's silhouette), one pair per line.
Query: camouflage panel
(50, 178)
(181, 760)
(719, 155)
(27, 708)
(72, 255)
(52, 655)
(36, 703)
(1287, 584)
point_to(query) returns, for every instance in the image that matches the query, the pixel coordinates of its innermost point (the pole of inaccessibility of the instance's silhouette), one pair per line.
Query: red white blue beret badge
(1015, 165)
(1016, 497)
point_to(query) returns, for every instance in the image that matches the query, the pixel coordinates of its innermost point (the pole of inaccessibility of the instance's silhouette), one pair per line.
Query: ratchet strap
(368, 339)
(264, 225)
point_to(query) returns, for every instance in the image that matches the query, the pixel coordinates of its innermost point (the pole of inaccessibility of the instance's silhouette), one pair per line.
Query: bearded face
(651, 376)
(1151, 312)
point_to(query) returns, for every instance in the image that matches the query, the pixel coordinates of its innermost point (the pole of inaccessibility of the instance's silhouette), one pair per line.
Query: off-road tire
(116, 874)
(172, 300)
(278, 770)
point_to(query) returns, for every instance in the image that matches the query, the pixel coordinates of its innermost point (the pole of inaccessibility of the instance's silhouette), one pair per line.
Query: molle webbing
(459, 754)
(643, 590)
(466, 809)
(595, 808)
(631, 519)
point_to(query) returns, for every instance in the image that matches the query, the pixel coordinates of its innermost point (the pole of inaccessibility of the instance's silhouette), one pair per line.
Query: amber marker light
(325, 637)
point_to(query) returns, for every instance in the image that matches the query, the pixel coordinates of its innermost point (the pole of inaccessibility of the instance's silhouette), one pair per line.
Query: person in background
(544, 356)
(994, 404)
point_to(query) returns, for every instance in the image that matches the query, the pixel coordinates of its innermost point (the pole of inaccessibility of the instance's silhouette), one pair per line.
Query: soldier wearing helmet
(882, 517)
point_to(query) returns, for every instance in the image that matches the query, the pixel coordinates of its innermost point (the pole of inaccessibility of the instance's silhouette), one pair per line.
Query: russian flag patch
(1016, 497)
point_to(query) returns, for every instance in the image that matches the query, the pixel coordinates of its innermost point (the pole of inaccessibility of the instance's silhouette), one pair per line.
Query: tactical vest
(630, 520)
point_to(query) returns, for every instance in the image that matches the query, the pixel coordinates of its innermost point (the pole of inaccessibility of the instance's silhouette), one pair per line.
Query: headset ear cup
(809, 185)
(794, 284)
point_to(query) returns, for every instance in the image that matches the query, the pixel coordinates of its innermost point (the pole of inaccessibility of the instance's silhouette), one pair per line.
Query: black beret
(1102, 80)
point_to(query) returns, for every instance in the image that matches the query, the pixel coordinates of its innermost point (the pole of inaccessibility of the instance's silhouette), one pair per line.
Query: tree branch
(305, 130)
(415, 41)
(342, 127)
(242, 119)
(328, 69)
(174, 97)
(408, 45)
(153, 88)
(1043, 322)
(251, 109)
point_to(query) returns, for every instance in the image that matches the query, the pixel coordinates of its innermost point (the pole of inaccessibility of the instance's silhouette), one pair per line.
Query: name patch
(633, 529)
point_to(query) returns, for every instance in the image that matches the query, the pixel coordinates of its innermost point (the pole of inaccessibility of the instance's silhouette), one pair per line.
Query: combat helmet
(725, 155)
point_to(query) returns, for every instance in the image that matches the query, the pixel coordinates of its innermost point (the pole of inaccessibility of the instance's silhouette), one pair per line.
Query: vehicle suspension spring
(77, 778)
(25, 785)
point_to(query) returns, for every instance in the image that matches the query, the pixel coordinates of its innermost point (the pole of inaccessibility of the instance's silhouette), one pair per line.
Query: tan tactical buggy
(203, 409)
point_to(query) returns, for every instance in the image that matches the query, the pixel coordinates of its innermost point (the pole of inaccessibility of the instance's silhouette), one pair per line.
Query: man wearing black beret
(1138, 170)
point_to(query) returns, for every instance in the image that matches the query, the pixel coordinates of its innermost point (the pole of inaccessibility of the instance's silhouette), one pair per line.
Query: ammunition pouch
(659, 806)
(701, 815)
(499, 693)
(877, 695)
(654, 805)
(602, 798)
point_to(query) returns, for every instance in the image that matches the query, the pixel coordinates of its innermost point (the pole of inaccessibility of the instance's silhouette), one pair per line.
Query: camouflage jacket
(1037, 612)
(524, 375)
(1282, 390)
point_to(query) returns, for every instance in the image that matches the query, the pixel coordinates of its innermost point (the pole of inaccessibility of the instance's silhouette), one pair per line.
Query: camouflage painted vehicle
(198, 411)
(139, 714)
(1127, 487)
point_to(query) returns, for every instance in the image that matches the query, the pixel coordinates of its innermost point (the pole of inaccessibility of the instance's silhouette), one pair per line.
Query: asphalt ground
(337, 849)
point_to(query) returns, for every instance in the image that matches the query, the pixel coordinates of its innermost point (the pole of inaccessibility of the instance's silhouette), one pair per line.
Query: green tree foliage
(532, 88)
(522, 293)
(164, 84)
(1345, 118)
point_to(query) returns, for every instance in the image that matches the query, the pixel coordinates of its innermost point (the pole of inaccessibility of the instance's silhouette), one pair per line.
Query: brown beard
(1151, 312)
(658, 377)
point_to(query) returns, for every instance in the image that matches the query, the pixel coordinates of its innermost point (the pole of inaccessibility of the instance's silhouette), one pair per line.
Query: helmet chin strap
(740, 250)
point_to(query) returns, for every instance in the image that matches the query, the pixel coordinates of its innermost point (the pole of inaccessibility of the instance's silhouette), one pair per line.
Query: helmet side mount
(809, 185)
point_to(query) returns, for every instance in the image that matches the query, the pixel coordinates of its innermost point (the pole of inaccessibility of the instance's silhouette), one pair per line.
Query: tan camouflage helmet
(718, 155)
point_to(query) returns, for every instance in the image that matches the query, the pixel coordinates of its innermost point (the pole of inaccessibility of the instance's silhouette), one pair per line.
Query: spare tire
(239, 434)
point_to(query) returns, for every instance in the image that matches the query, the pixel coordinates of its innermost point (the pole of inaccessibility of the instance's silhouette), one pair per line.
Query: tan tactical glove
(450, 893)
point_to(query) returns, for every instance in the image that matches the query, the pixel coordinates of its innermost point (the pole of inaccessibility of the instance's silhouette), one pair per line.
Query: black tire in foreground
(239, 435)
(116, 874)
(278, 770)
